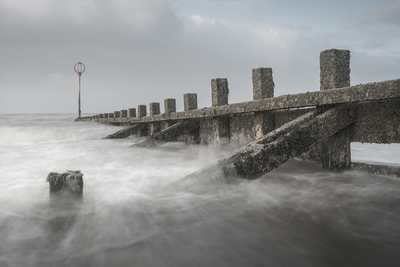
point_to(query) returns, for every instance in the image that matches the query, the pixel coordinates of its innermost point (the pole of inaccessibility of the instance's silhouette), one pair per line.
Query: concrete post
(142, 111)
(220, 125)
(219, 92)
(189, 102)
(335, 73)
(65, 189)
(124, 113)
(334, 69)
(132, 112)
(263, 84)
(169, 107)
(154, 110)
(263, 87)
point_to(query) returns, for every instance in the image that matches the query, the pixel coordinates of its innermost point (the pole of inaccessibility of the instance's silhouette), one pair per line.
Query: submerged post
(65, 189)
(79, 68)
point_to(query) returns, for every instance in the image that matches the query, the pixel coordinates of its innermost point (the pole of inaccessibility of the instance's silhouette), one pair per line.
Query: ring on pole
(81, 68)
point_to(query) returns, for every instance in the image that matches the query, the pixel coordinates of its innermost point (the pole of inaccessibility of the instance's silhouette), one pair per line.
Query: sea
(132, 215)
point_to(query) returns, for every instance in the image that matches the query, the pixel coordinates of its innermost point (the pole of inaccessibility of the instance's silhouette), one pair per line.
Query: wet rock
(65, 189)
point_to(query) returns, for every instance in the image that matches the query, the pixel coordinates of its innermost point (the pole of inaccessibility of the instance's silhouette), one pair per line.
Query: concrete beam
(277, 147)
(352, 94)
(169, 134)
(124, 133)
(376, 169)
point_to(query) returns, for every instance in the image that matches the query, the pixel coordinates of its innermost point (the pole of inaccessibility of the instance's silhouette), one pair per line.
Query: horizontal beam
(352, 94)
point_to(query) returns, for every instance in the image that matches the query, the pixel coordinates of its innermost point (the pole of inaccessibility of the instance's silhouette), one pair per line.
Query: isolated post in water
(79, 68)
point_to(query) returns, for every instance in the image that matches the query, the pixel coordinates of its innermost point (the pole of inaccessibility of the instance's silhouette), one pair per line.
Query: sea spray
(297, 215)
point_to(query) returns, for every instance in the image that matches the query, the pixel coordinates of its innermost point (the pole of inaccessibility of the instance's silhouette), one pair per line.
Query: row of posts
(334, 73)
(190, 103)
(263, 87)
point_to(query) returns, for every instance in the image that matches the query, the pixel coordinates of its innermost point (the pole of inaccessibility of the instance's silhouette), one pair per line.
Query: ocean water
(297, 215)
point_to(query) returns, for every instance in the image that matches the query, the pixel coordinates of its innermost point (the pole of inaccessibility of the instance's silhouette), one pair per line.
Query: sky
(142, 51)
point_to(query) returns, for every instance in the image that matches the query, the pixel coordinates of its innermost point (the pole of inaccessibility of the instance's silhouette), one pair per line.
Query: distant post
(79, 68)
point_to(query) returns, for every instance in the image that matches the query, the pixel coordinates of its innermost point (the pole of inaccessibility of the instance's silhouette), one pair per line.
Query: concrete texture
(189, 102)
(117, 114)
(154, 108)
(219, 92)
(377, 169)
(377, 122)
(334, 69)
(172, 133)
(142, 111)
(263, 84)
(335, 73)
(132, 112)
(169, 105)
(262, 156)
(124, 113)
(124, 133)
(65, 189)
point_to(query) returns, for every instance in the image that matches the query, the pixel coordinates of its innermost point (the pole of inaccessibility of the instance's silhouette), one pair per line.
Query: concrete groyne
(375, 115)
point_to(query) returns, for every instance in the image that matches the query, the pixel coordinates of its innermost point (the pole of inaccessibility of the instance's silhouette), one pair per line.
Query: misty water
(297, 215)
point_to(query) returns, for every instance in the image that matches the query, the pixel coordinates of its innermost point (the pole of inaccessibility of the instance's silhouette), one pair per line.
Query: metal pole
(79, 101)
(79, 68)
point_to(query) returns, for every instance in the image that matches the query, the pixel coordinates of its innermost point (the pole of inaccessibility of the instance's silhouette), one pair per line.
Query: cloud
(137, 52)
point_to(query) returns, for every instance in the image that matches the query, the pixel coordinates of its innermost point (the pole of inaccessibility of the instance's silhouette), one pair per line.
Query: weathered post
(189, 102)
(142, 112)
(124, 113)
(169, 107)
(219, 95)
(65, 189)
(263, 87)
(335, 73)
(132, 112)
(154, 110)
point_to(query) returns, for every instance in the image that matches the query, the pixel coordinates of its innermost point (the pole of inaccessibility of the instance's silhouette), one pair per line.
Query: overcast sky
(142, 51)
